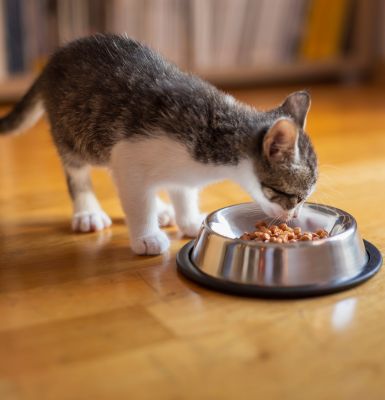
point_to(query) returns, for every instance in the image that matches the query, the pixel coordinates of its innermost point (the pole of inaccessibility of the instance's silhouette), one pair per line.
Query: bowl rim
(252, 243)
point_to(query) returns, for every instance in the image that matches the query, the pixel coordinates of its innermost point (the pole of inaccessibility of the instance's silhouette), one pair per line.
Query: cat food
(282, 234)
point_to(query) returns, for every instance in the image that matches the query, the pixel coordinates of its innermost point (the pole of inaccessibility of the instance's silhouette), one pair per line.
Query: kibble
(297, 230)
(282, 234)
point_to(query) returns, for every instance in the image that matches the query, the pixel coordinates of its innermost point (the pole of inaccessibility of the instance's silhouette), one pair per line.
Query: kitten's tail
(25, 113)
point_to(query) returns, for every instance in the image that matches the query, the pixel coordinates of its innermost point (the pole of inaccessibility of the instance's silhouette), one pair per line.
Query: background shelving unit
(228, 42)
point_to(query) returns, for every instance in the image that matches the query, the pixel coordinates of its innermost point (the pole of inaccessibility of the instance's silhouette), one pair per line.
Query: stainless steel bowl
(220, 260)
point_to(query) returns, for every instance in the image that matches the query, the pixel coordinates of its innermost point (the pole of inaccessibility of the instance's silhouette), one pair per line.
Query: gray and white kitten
(113, 102)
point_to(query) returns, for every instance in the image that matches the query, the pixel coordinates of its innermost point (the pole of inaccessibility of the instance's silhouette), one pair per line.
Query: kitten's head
(285, 161)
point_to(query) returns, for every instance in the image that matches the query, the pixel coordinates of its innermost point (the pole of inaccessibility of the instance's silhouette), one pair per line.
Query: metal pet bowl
(219, 260)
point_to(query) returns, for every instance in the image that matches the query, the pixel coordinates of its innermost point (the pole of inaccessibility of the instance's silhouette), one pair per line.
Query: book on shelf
(73, 20)
(14, 36)
(324, 30)
(202, 33)
(3, 43)
(230, 32)
(126, 16)
(295, 29)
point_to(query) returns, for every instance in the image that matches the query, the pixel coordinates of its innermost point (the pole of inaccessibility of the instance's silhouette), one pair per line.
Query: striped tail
(25, 113)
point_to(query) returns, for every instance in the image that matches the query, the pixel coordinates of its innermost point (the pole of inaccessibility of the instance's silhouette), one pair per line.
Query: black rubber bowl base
(190, 271)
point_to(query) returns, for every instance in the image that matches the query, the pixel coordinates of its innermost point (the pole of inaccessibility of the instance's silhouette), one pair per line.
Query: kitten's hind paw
(190, 227)
(166, 216)
(151, 245)
(90, 221)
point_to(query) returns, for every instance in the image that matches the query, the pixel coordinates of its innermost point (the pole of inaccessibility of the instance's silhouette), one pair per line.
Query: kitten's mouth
(288, 216)
(292, 214)
(274, 210)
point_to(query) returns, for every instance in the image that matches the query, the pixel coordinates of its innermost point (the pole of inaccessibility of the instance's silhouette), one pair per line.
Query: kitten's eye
(279, 192)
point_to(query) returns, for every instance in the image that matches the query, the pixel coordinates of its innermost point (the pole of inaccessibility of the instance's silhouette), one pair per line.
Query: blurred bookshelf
(228, 42)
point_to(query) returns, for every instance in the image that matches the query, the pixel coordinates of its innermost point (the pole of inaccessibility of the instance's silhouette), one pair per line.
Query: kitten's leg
(88, 215)
(139, 203)
(166, 214)
(187, 214)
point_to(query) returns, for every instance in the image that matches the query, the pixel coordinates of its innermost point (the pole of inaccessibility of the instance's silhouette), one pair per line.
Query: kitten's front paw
(166, 216)
(153, 244)
(191, 227)
(90, 221)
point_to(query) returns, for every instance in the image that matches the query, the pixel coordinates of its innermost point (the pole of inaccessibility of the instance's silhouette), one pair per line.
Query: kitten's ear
(297, 106)
(280, 140)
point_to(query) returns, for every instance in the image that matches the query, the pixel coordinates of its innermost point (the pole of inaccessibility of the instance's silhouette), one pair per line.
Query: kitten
(113, 102)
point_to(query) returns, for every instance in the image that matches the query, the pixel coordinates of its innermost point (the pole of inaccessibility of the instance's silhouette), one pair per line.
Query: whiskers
(278, 219)
(274, 220)
(327, 191)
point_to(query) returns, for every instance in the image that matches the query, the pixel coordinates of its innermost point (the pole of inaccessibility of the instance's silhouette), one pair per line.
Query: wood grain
(81, 317)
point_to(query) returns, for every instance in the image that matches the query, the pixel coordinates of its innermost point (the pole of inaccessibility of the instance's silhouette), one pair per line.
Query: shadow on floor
(40, 253)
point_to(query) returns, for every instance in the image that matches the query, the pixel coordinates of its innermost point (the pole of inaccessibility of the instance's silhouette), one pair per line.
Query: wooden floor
(81, 317)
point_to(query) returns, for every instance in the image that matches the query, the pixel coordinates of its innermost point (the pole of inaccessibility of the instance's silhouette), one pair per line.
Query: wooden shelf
(343, 68)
